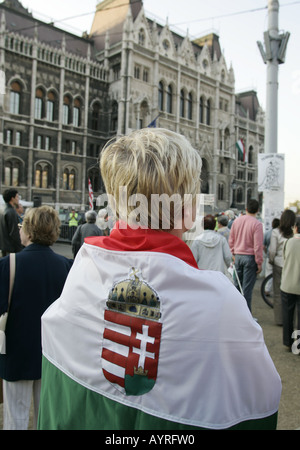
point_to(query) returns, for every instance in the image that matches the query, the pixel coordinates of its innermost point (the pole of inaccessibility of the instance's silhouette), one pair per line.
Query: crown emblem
(134, 296)
(140, 371)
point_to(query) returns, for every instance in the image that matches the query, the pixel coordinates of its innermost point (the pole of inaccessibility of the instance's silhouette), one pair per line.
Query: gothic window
(42, 176)
(239, 195)
(201, 110)
(137, 72)
(114, 117)
(66, 110)
(146, 75)
(12, 173)
(9, 137)
(39, 142)
(190, 106)
(170, 99)
(76, 113)
(161, 96)
(18, 138)
(38, 105)
(47, 143)
(221, 191)
(69, 179)
(182, 112)
(251, 155)
(50, 107)
(208, 112)
(95, 116)
(15, 98)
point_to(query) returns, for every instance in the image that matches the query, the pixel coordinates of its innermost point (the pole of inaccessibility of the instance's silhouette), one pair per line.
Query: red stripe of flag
(114, 358)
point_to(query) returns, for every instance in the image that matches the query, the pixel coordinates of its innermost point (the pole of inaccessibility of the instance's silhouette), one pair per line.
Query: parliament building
(62, 97)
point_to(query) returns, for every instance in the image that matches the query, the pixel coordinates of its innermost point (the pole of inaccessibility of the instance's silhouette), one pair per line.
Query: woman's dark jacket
(39, 280)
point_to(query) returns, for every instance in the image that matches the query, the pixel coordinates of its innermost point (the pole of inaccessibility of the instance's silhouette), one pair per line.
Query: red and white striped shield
(130, 352)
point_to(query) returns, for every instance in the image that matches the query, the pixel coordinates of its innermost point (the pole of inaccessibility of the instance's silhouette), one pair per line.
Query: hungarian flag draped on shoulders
(142, 339)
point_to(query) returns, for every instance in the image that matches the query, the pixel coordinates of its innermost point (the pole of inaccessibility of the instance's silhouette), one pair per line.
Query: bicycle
(267, 294)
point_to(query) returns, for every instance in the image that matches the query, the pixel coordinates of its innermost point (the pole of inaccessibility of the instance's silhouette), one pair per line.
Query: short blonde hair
(150, 161)
(42, 225)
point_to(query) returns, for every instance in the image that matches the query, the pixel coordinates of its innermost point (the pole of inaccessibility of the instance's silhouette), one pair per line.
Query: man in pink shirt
(246, 245)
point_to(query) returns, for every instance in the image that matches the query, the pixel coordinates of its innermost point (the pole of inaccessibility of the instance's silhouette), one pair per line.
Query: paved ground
(287, 364)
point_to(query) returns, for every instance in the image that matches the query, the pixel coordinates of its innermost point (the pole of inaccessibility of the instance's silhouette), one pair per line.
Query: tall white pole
(271, 125)
(273, 54)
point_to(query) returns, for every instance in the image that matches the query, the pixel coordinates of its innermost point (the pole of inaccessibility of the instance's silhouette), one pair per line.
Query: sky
(239, 24)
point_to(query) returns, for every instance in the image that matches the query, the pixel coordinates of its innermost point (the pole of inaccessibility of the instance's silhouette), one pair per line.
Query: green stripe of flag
(63, 396)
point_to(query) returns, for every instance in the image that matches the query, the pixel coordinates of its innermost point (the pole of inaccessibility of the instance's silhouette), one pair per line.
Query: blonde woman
(141, 338)
(39, 279)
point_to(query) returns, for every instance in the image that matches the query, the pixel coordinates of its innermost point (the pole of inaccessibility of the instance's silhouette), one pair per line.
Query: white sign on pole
(271, 183)
(273, 207)
(270, 172)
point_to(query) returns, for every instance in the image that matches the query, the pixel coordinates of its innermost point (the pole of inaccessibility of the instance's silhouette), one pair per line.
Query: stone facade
(67, 96)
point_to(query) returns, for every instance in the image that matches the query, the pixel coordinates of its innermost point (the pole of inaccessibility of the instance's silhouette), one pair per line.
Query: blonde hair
(150, 161)
(42, 225)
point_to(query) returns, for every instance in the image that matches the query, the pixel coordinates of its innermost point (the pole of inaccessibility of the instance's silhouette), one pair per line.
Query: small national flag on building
(91, 195)
(153, 123)
(242, 150)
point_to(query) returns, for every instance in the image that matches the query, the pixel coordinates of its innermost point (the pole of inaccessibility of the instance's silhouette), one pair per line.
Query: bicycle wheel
(267, 295)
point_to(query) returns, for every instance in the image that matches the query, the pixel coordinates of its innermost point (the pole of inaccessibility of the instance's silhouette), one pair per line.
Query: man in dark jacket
(10, 241)
(88, 229)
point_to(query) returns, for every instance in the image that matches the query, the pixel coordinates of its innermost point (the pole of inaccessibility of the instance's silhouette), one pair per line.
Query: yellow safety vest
(73, 222)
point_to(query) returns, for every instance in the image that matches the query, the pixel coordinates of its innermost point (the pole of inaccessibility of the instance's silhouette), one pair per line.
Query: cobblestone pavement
(287, 363)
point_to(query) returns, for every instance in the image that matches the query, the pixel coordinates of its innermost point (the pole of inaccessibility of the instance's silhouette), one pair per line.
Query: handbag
(3, 318)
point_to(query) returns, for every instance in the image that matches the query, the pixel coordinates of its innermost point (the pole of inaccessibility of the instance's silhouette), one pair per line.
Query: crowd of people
(191, 307)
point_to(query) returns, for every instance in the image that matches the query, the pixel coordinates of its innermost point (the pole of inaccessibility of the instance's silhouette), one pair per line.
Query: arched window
(182, 103)
(239, 195)
(66, 110)
(42, 176)
(12, 173)
(15, 98)
(69, 179)
(170, 99)
(76, 113)
(190, 106)
(161, 96)
(50, 106)
(208, 111)
(251, 155)
(38, 105)
(95, 116)
(201, 110)
(114, 116)
(221, 191)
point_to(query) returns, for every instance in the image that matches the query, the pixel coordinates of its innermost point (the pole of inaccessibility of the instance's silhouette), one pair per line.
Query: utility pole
(270, 164)
(273, 54)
